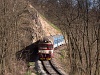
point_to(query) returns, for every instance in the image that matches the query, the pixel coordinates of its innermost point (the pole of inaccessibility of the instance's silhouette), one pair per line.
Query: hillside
(47, 26)
(60, 57)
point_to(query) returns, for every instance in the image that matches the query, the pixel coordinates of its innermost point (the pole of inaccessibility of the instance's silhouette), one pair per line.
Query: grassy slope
(49, 22)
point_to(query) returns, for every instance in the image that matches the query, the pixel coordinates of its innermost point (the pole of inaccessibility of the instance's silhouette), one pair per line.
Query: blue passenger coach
(58, 40)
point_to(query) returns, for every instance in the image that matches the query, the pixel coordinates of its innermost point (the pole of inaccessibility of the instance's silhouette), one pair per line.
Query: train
(47, 45)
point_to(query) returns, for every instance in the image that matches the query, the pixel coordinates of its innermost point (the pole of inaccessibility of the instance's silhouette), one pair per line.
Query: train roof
(46, 39)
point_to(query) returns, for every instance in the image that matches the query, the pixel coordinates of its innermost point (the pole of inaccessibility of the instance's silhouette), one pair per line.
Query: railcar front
(45, 49)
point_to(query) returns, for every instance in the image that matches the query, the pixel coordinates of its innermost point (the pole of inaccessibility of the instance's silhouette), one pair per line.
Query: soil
(48, 29)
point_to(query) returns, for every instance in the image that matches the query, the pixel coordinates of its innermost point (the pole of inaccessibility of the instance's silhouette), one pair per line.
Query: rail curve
(50, 68)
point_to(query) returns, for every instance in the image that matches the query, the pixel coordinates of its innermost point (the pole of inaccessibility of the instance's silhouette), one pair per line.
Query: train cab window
(50, 46)
(45, 46)
(42, 46)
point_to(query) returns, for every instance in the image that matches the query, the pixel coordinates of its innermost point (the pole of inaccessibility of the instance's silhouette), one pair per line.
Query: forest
(80, 21)
(19, 27)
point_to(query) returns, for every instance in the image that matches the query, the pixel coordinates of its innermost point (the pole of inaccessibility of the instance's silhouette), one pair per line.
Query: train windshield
(45, 46)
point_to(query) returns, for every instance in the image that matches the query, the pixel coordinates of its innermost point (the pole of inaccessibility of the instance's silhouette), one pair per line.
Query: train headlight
(39, 51)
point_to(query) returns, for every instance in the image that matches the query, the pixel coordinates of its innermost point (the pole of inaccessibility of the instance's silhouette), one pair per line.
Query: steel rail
(50, 68)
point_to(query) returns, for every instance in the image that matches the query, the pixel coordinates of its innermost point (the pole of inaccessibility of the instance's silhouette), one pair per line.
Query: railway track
(50, 68)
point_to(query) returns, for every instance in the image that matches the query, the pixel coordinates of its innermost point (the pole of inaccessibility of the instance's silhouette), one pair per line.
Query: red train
(47, 44)
(45, 48)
